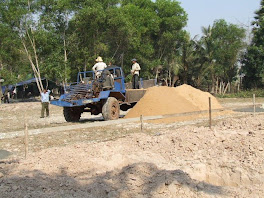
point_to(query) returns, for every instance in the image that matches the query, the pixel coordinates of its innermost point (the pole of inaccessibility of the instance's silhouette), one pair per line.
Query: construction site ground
(168, 158)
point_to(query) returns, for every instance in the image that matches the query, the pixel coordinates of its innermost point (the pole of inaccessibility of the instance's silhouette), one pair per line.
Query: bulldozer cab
(112, 78)
(85, 77)
(118, 78)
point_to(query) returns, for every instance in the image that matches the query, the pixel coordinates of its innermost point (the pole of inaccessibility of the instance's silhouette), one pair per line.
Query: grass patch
(243, 94)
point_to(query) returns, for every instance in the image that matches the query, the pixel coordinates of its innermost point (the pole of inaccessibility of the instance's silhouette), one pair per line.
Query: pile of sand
(171, 100)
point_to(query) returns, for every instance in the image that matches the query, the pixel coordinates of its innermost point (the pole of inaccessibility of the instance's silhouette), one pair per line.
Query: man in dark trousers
(135, 72)
(6, 97)
(45, 102)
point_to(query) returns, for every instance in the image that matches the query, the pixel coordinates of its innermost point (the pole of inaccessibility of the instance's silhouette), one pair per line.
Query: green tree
(253, 60)
(54, 17)
(147, 30)
(185, 59)
(219, 51)
(60, 38)
(13, 66)
(133, 26)
(229, 43)
(170, 36)
(88, 29)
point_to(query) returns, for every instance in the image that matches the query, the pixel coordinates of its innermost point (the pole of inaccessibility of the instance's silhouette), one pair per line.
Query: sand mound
(171, 100)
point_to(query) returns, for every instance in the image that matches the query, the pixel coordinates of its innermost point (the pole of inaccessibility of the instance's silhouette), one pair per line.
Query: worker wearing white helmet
(99, 66)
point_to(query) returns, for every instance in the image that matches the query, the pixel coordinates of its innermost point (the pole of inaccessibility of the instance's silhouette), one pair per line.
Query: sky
(205, 12)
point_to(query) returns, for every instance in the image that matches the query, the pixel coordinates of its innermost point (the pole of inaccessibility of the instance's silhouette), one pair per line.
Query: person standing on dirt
(99, 66)
(6, 95)
(45, 102)
(135, 72)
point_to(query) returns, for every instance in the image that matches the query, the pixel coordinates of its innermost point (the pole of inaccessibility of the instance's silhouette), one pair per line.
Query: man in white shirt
(45, 102)
(100, 65)
(135, 72)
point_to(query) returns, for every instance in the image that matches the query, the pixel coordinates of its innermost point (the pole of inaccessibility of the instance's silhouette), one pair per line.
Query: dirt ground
(163, 160)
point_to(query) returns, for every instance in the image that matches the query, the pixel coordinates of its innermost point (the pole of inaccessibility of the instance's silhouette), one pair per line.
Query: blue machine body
(85, 84)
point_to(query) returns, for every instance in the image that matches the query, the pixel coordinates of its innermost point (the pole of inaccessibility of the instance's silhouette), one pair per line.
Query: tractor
(106, 94)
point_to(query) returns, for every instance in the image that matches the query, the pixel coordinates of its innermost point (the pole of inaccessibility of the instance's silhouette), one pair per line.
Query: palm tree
(208, 44)
(186, 58)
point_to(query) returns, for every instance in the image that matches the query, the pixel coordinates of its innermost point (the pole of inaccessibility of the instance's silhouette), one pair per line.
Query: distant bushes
(243, 94)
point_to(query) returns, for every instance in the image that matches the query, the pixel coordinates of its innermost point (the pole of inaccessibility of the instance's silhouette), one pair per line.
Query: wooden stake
(210, 113)
(26, 139)
(141, 121)
(254, 104)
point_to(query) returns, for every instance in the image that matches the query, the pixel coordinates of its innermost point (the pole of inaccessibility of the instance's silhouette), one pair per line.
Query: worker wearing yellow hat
(99, 66)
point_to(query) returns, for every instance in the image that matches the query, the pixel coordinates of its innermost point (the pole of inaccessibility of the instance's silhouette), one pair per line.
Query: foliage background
(69, 34)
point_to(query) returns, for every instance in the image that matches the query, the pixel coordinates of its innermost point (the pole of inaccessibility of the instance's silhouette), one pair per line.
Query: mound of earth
(172, 100)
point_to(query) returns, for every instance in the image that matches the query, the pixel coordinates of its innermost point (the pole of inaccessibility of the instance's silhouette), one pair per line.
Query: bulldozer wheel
(72, 114)
(111, 109)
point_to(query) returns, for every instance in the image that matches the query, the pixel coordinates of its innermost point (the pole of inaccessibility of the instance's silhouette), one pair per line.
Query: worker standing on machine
(135, 72)
(99, 66)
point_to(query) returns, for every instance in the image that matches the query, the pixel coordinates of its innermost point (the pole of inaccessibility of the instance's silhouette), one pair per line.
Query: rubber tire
(111, 109)
(72, 114)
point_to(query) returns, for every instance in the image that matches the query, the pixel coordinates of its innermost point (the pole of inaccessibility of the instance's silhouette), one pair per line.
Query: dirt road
(165, 160)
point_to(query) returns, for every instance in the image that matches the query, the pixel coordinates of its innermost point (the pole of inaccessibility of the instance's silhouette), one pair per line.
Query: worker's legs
(6, 99)
(133, 82)
(47, 108)
(42, 110)
(136, 85)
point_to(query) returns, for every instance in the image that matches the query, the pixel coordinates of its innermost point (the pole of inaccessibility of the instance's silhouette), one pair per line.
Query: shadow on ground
(4, 154)
(249, 109)
(136, 180)
(95, 119)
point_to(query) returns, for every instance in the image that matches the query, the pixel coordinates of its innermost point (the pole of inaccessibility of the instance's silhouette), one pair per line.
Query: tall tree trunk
(213, 82)
(65, 57)
(36, 73)
(33, 44)
(35, 67)
(122, 60)
(1, 93)
(185, 66)
(198, 82)
(170, 77)
(85, 64)
(1, 67)
(174, 79)
(185, 81)
(157, 74)
(216, 86)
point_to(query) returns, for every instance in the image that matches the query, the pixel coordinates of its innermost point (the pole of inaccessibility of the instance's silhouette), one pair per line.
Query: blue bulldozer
(106, 94)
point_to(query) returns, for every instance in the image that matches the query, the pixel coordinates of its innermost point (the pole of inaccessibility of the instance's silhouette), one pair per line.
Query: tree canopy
(63, 37)
(253, 61)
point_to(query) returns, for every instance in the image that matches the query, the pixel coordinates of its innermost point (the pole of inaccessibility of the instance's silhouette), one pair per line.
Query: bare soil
(163, 160)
